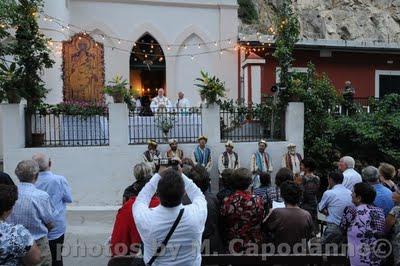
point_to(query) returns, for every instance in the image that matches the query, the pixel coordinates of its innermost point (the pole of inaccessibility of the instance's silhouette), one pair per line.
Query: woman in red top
(125, 239)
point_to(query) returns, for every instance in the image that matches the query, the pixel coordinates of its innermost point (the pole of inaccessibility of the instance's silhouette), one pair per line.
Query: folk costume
(292, 159)
(178, 153)
(202, 156)
(152, 156)
(228, 160)
(260, 162)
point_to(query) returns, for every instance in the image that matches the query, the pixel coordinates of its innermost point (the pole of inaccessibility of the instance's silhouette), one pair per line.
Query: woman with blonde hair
(386, 175)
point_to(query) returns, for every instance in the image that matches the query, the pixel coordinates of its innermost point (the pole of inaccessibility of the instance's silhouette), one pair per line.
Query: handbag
(140, 261)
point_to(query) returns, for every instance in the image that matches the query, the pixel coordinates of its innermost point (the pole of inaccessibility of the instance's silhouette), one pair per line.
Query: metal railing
(358, 104)
(182, 124)
(47, 129)
(250, 123)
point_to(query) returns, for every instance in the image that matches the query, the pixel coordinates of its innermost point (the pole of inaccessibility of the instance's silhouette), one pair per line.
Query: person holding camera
(171, 223)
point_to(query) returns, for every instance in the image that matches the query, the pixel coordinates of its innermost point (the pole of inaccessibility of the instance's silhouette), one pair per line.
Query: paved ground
(86, 236)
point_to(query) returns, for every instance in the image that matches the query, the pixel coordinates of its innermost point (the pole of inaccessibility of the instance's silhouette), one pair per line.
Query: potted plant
(117, 89)
(211, 88)
(8, 74)
(165, 123)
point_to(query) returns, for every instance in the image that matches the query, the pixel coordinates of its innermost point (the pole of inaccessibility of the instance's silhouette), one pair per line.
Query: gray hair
(42, 160)
(27, 170)
(370, 174)
(348, 161)
(142, 171)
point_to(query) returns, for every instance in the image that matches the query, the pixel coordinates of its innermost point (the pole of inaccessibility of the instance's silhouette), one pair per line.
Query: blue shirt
(335, 200)
(60, 194)
(383, 198)
(32, 209)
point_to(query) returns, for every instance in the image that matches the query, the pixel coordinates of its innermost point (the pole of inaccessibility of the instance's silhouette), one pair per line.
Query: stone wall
(361, 20)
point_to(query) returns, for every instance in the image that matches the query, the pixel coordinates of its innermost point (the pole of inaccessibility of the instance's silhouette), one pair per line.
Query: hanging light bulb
(68, 27)
(145, 56)
(161, 59)
(119, 41)
(80, 38)
(152, 46)
(134, 44)
(168, 47)
(216, 44)
(199, 46)
(103, 37)
(192, 57)
(230, 41)
(221, 52)
(185, 46)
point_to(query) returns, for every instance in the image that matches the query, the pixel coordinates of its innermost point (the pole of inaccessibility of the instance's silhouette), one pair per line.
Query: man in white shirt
(351, 177)
(160, 101)
(153, 224)
(182, 102)
(260, 161)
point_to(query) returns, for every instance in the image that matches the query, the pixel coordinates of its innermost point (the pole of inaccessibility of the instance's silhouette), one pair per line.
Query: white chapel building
(151, 43)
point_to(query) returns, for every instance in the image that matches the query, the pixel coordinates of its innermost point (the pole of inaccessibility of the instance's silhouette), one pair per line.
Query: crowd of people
(33, 214)
(360, 211)
(170, 216)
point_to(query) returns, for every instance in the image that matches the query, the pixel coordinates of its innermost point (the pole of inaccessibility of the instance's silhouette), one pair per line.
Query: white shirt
(153, 225)
(351, 177)
(182, 103)
(157, 101)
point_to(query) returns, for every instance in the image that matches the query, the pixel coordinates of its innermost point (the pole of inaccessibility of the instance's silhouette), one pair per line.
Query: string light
(221, 52)
(185, 46)
(119, 41)
(199, 46)
(168, 48)
(192, 57)
(216, 44)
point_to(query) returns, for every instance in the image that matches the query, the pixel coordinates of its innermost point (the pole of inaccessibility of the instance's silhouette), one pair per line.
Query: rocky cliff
(361, 20)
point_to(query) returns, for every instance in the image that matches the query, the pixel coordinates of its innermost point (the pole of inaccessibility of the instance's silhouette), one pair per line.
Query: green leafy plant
(30, 51)
(8, 75)
(247, 11)
(287, 35)
(78, 108)
(117, 88)
(211, 88)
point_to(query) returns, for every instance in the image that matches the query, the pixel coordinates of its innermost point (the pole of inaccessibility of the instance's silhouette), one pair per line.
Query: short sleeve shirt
(15, 242)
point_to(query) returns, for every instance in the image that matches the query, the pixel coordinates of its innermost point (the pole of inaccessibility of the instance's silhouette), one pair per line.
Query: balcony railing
(182, 124)
(48, 129)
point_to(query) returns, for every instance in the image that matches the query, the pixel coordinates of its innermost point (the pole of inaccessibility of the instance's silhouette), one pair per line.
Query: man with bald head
(160, 101)
(182, 103)
(60, 194)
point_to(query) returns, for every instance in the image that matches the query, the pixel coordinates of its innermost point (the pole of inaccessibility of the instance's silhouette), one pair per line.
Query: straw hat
(229, 143)
(171, 141)
(202, 137)
(263, 141)
(152, 142)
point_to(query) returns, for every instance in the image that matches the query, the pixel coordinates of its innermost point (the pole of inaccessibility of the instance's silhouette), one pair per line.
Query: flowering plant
(82, 108)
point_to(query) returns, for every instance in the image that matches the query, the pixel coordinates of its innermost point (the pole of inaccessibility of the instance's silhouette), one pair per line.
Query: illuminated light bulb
(221, 52)
(161, 59)
(248, 43)
(134, 44)
(145, 56)
(185, 46)
(33, 13)
(102, 36)
(230, 41)
(62, 28)
(199, 46)
(80, 38)
(119, 41)
(45, 19)
(216, 44)
(244, 38)
(258, 33)
(269, 44)
(51, 20)
(168, 47)
(68, 27)
(152, 46)
(192, 57)
(97, 44)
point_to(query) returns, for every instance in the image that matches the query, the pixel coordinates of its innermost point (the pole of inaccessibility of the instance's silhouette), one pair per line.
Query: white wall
(170, 22)
(98, 175)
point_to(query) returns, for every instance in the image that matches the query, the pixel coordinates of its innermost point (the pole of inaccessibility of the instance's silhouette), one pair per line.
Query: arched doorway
(147, 66)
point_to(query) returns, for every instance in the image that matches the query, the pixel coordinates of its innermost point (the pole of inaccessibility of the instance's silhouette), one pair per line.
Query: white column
(13, 126)
(256, 83)
(211, 124)
(294, 124)
(119, 124)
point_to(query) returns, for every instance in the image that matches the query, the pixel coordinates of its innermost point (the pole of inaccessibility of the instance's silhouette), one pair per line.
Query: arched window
(147, 66)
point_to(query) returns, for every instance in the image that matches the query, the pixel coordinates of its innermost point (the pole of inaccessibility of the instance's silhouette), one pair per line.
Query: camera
(169, 162)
